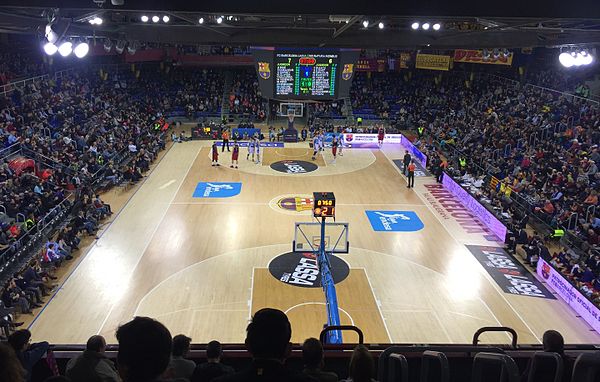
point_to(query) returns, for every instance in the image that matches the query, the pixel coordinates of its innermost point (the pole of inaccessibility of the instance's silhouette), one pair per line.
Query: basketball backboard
(307, 237)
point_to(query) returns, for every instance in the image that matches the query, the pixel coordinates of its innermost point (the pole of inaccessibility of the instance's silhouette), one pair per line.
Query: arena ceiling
(465, 24)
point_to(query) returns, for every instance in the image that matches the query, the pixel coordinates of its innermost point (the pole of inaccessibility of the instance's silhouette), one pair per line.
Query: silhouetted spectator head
(181, 345)
(57, 378)
(362, 366)
(214, 350)
(144, 349)
(19, 340)
(96, 344)
(10, 367)
(312, 353)
(268, 335)
(553, 342)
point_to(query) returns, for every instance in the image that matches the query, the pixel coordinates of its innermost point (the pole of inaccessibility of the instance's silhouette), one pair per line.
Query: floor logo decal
(394, 221)
(217, 189)
(302, 270)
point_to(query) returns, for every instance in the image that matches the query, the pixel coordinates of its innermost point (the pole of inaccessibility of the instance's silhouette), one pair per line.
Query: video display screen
(299, 75)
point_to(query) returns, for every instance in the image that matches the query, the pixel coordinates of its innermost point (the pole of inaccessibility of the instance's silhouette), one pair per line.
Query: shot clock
(324, 204)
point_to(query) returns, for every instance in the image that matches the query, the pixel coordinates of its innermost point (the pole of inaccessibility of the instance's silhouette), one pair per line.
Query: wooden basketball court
(201, 265)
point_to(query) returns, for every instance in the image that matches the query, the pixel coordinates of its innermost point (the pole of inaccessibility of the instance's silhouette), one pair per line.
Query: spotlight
(50, 48)
(201, 20)
(166, 19)
(380, 25)
(566, 60)
(132, 47)
(219, 19)
(50, 34)
(415, 25)
(155, 19)
(144, 19)
(586, 58)
(425, 26)
(65, 48)
(96, 21)
(436, 26)
(81, 50)
(108, 45)
(366, 23)
(120, 46)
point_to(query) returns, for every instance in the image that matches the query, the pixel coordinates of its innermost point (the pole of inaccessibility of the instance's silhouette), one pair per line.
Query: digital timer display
(324, 205)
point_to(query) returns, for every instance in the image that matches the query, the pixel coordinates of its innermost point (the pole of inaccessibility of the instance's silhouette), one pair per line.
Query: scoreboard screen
(306, 75)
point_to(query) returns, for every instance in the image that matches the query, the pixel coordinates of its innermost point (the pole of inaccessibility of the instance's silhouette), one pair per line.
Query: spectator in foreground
(144, 350)
(312, 354)
(268, 340)
(552, 341)
(181, 369)
(28, 354)
(213, 368)
(92, 365)
(10, 367)
(362, 366)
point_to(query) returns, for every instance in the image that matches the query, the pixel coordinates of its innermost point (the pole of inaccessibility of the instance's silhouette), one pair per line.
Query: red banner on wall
(476, 57)
(370, 65)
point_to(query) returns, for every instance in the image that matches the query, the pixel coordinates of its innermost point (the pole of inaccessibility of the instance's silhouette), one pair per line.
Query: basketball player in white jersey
(340, 144)
(315, 145)
(250, 149)
(256, 150)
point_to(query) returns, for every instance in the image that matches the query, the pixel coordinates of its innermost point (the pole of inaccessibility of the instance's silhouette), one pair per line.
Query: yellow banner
(476, 57)
(432, 62)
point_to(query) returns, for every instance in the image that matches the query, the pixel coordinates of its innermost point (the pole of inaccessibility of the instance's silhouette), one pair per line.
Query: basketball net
(291, 117)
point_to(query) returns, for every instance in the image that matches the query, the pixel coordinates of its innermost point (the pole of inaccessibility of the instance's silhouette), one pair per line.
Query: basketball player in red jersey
(215, 154)
(334, 147)
(380, 136)
(234, 155)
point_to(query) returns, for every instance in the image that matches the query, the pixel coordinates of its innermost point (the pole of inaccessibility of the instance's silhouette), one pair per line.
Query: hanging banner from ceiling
(432, 62)
(476, 57)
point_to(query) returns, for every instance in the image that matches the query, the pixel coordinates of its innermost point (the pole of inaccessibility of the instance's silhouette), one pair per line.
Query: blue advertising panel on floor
(394, 221)
(217, 189)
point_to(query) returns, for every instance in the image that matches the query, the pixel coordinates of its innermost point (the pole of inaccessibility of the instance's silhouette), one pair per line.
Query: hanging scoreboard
(324, 204)
(306, 75)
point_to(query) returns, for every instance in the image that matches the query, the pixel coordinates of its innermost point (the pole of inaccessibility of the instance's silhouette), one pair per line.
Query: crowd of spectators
(245, 97)
(16, 65)
(541, 146)
(148, 352)
(190, 90)
(81, 133)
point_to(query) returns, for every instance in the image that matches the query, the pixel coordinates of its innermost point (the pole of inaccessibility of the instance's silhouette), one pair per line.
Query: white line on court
(437, 317)
(377, 302)
(167, 184)
(151, 236)
(320, 303)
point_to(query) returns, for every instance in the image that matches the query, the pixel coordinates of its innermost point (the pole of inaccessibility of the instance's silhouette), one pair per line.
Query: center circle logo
(302, 270)
(294, 166)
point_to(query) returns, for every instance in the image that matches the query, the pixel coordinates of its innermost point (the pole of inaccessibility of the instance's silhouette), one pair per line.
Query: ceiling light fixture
(81, 50)
(166, 19)
(50, 48)
(425, 26)
(381, 25)
(415, 25)
(155, 19)
(65, 48)
(144, 18)
(437, 26)
(201, 20)
(365, 23)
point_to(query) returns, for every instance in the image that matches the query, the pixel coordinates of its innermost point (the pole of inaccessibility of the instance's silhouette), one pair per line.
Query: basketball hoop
(291, 116)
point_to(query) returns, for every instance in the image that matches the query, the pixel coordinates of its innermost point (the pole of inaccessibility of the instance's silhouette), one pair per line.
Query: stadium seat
(587, 368)
(434, 367)
(397, 368)
(545, 367)
(492, 367)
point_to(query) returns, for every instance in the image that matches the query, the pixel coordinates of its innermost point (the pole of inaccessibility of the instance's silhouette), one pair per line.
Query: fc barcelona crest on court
(347, 71)
(264, 71)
